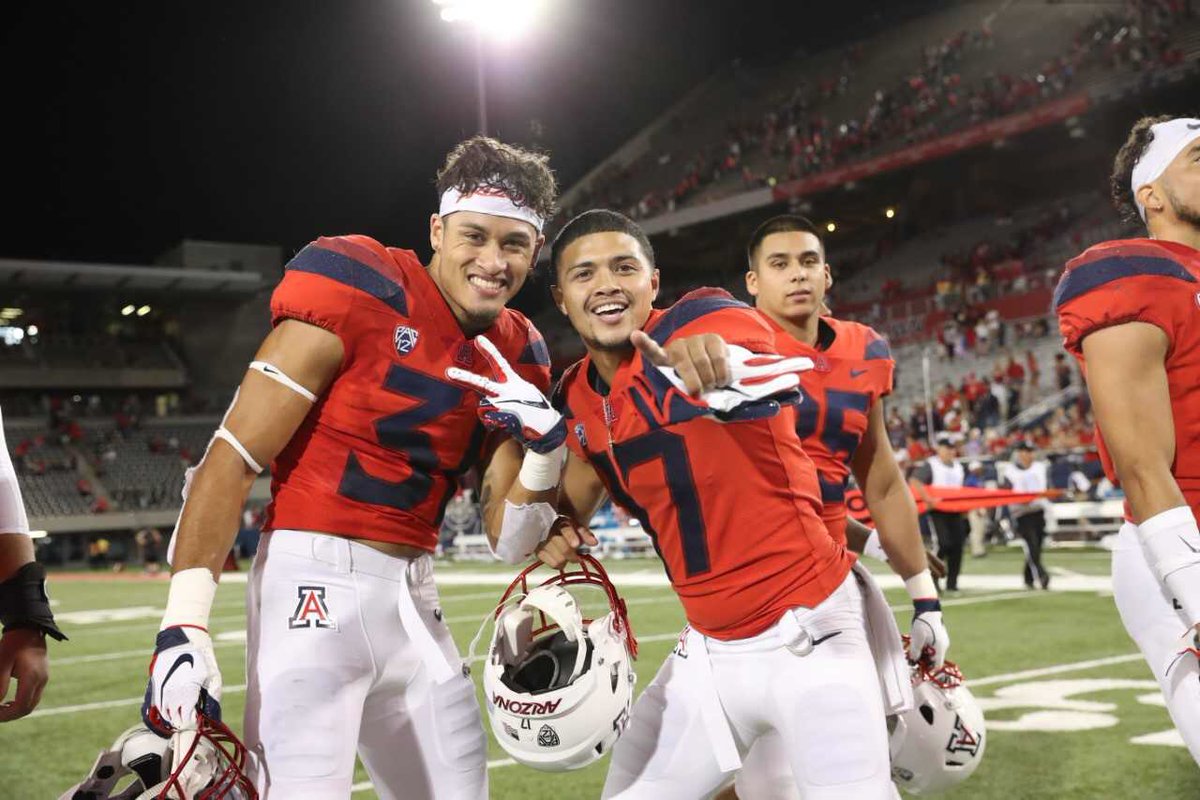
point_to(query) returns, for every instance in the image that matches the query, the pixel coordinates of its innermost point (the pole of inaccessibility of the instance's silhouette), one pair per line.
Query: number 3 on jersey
(400, 432)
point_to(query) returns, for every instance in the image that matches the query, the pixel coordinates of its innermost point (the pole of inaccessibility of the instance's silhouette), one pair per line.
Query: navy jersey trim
(350, 272)
(688, 311)
(878, 349)
(535, 352)
(1086, 277)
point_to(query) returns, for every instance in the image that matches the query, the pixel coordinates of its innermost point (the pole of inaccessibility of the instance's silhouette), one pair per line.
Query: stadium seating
(974, 63)
(137, 470)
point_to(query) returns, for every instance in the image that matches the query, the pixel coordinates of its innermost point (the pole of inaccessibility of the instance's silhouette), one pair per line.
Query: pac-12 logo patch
(547, 737)
(405, 339)
(311, 609)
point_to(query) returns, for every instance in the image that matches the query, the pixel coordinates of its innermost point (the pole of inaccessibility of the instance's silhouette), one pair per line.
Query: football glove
(512, 404)
(753, 379)
(183, 675)
(929, 638)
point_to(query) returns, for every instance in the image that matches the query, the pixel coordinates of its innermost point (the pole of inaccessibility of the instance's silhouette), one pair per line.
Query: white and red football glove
(753, 378)
(512, 404)
(183, 675)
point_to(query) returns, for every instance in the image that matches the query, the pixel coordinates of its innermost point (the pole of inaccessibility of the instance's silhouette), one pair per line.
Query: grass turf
(98, 677)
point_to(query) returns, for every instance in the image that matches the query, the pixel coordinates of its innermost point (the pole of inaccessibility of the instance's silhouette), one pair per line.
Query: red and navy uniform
(853, 370)
(379, 454)
(733, 507)
(1158, 283)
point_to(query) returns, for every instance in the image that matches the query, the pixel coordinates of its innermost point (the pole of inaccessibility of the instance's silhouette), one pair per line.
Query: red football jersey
(1151, 281)
(378, 456)
(853, 369)
(733, 507)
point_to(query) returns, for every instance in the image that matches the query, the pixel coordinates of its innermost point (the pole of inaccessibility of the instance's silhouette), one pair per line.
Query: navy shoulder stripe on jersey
(1086, 277)
(690, 310)
(535, 352)
(877, 349)
(558, 395)
(351, 272)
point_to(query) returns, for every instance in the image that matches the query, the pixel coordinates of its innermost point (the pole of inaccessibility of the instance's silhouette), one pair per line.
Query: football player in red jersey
(841, 425)
(1130, 312)
(346, 400)
(777, 639)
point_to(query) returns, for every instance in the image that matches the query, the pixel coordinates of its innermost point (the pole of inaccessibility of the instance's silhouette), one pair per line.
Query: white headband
(488, 200)
(1169, 140)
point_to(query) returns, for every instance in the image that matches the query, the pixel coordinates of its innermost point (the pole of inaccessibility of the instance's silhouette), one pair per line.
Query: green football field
(1072, 709)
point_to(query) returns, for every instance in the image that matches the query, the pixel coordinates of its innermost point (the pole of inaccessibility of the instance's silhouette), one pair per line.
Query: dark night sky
(131, 125)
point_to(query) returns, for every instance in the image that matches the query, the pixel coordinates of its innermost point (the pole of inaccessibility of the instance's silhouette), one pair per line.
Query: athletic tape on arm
(1171, 541)
(524, 527)
(274, 373)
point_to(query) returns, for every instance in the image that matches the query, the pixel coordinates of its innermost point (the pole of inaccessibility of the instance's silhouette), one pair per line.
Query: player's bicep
(874, 464)
(268, 409)
(1127, 380)
(582, 490)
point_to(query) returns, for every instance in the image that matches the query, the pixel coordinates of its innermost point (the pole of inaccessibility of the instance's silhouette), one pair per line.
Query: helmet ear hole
(927, 713)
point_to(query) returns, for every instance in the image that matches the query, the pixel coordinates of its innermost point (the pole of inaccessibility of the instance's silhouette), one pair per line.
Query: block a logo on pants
(311, 610)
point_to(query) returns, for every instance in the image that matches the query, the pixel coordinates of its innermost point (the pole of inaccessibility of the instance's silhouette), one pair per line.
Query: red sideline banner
(1013, 124)
(955, 501)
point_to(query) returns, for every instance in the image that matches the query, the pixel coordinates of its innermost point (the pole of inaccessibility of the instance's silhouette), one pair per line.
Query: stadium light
(143, 311)
(890, 213)
(831, 227)
(32, 330)
(11, 313)
(498, 20)
(126, 311)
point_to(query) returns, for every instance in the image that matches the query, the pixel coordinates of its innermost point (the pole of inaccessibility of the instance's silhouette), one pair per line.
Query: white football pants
(347, 651)
(712, 699)
(1149, 615)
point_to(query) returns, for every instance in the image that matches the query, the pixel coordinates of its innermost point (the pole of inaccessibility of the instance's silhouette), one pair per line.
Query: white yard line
(230, 638)
(1055, 670)
(127, 701)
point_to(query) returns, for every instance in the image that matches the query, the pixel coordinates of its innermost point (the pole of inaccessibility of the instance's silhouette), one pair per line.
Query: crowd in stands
(798, 138)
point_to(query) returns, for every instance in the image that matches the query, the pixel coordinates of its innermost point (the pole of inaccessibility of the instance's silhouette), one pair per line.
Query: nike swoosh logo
(179, 662)
(1188, 545)
(854, 373)
(534, 403)
(1195, 127)
(825, 638)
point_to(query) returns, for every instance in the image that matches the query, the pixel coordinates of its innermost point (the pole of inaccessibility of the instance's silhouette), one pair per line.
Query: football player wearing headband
(24, 607)
(1129, 310)
(347, 402)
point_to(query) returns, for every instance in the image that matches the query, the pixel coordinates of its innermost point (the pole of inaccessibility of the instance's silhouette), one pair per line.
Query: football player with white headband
(1128, 311)
(347, 402)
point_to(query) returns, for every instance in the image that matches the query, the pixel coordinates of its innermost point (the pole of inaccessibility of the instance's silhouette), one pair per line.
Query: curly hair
(523, 175)
(1127, 158)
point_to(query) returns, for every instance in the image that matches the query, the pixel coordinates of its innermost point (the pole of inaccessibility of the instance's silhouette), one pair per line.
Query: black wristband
(923, 605)
(25, 604)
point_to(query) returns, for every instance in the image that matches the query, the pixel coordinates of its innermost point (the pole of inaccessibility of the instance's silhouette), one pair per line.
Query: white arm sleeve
(12, 509)
(1171, 542)
(524, 527)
